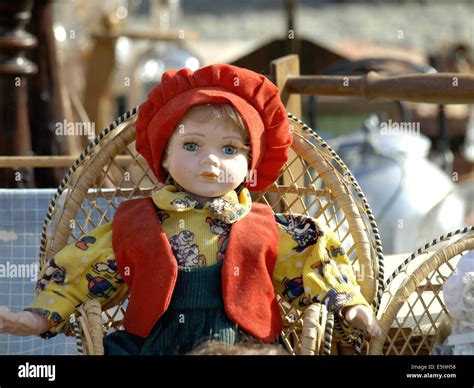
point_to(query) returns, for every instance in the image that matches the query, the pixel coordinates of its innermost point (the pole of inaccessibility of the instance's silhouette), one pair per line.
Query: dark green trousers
(195, 314)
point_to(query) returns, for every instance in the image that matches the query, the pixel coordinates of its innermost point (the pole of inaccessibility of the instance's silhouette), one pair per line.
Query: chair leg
(313, 338)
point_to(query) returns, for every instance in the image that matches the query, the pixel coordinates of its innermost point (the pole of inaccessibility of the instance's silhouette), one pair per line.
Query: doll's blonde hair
(209, 112)
(217, 348)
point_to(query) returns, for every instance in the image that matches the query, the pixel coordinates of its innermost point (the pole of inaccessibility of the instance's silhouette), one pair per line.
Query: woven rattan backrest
(315, 182)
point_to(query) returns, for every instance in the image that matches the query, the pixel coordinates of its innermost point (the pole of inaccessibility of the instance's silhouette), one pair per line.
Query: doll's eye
(190, 146)
(229, 150)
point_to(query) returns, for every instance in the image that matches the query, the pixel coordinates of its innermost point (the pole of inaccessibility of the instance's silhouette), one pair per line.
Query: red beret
(252, 95)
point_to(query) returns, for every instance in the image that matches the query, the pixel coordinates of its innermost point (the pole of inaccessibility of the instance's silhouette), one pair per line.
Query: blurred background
(70, 67)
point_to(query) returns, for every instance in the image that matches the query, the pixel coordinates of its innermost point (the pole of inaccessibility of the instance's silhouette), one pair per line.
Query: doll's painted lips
(209, 175)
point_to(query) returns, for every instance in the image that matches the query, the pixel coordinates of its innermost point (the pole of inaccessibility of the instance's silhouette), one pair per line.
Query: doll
(200, 260)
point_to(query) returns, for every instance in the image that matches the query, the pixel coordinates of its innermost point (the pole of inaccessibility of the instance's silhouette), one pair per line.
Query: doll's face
(207, 158)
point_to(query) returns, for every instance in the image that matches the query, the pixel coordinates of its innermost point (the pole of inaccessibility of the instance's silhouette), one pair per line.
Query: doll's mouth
(209, 175)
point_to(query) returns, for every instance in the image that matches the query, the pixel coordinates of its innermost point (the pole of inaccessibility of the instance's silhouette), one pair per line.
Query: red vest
(146, 262)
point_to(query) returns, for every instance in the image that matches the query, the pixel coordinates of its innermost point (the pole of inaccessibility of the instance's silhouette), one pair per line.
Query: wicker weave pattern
(413, 304)
(97, 183)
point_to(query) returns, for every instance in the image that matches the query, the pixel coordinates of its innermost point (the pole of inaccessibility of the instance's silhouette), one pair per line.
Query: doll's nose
(210, 160)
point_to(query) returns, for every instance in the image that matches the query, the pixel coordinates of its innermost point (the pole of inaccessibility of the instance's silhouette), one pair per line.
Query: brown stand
(14, 69)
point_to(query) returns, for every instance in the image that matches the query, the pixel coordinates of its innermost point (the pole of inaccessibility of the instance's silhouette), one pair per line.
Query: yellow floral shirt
(311, 265)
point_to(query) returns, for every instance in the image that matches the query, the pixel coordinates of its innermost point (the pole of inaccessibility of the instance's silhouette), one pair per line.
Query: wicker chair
(412, 312)
(315, 182)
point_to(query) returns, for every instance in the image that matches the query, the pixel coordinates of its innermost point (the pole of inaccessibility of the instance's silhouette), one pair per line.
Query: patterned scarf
(229, 208)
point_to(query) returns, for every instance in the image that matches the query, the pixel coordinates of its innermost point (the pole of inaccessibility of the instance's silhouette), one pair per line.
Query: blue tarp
(22, 212)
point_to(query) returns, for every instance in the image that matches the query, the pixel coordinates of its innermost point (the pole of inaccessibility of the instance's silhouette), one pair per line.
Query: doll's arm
(22, 323)
(360, 316)
(80, 271)
(312, 267)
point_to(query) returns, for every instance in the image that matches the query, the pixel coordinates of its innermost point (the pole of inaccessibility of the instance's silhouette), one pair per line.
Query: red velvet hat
(252, 95)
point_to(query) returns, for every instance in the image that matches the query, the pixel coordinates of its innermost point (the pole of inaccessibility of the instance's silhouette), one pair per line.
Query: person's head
(179, 100)
(216, 348)
(208, 153)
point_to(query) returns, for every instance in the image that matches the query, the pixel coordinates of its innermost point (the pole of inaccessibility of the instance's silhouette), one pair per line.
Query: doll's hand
(22, 323)
(362, 317)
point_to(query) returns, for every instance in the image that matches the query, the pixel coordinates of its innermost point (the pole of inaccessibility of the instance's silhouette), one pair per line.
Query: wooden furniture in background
(103, 52)
(45, 103)
(15, 136)
(439, 88)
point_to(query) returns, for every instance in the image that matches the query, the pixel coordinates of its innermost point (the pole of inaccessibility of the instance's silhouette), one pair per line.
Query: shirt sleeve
(83, 270)
(312, 266)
